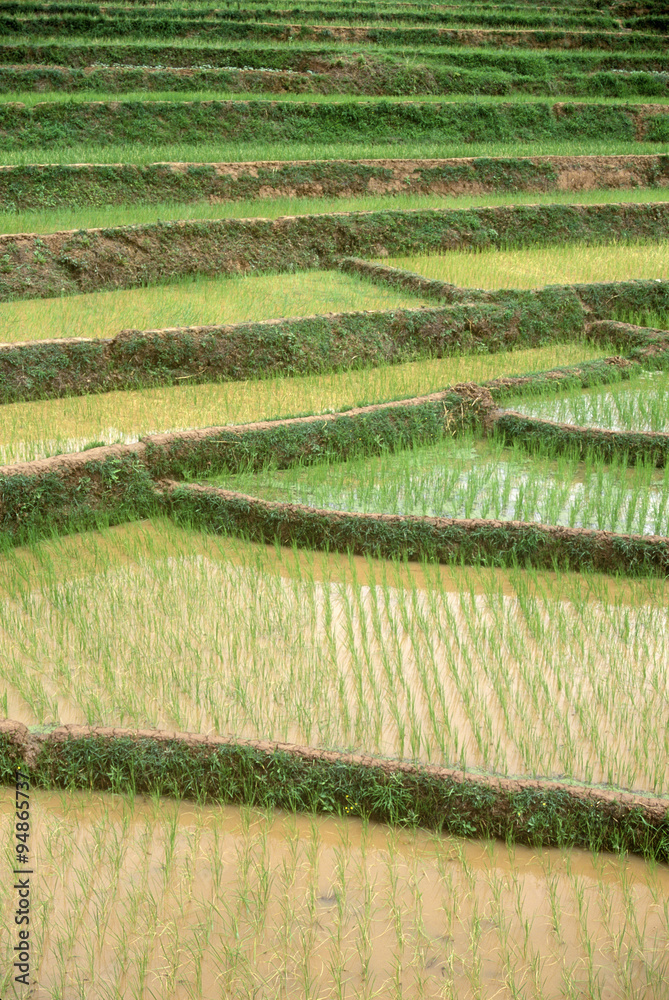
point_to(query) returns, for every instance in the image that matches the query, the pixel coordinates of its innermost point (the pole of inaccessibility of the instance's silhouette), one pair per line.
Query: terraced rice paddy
(464, 478)
(44, 429)
(642, 405)
(333, 597)
(495, 670)
(274, 208)
(248, 901)
(195, 302)
(531, 268)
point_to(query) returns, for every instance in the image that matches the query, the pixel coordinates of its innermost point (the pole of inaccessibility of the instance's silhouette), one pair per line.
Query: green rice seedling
(32, 98)
(213, 152)
(645, 317)
(537, 266)
(54, 220)
(509, 671)
(195, 302)
(49, 427)
(466, 477)
(640, 405)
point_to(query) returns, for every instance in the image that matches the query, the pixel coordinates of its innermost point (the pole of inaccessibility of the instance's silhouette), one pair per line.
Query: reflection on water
(639, 405)
(523, 673)
(476, 479)
(152, 899)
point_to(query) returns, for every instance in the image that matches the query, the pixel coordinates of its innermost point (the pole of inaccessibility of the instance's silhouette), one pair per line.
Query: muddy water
(150, 626)
(137, 898)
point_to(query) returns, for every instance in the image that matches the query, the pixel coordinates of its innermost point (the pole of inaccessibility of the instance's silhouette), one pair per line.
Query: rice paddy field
(334, 501)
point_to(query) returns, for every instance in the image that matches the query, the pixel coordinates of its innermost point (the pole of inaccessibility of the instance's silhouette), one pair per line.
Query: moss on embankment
(476, 321)
(140, 359)
(40, 186)
(371, 78)
(60, 123)
(274, 775)
(33, 266)
(120, 483)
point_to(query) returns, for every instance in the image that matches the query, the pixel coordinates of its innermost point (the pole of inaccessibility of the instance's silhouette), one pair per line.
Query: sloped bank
(73, 262)
(126, 482)
(58, 123)
(437, 539)
(371, 78)
(531, 38)
(493, 321)
(39, 186)
(551, 437)
(118, 483)
(540, 812)
(335, 342)
(600, 300)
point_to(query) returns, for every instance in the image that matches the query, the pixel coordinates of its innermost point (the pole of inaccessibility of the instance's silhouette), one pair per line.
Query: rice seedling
(469, 478)
(148, 897)
(50, 427)
(194, 302)
(44, 220)
(517, 671)
(537, 266)
(30, 98)
(642, 405)
(224, 152)
(152, 625)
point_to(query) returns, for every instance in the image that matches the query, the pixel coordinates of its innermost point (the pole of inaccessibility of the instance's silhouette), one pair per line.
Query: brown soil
(30, 744)
(574, 173)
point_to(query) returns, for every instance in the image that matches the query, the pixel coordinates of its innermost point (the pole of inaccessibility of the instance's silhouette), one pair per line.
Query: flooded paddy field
(466, 477)
(40, 429)
(145, 898)
(517, 672)
(639, 405)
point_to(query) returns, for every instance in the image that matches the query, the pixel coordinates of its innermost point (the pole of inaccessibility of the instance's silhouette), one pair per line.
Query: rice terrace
(334, 500)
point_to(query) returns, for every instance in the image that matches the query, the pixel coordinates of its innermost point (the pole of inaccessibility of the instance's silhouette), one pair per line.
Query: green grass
(39, 429)
(45, 221)
(195, 302)
(469, 478)
(259, 54)
(31, 98)
(238, 152)
(642, 405)
(538, 266)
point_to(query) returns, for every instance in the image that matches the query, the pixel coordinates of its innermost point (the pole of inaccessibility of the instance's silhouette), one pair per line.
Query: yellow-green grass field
(54, 220)
(364, 148)
(30, 98)
(537, 266)
(48, 427)
(197, 301)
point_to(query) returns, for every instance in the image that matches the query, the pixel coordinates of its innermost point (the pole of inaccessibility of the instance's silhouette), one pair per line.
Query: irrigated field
(244, 901)
(334, 499)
